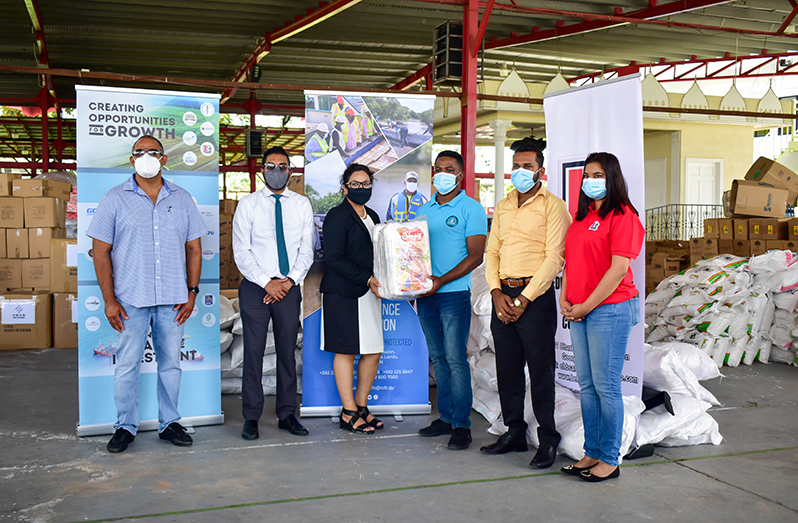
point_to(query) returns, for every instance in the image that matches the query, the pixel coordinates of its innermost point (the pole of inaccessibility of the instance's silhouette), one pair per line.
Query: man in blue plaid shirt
(147, 256)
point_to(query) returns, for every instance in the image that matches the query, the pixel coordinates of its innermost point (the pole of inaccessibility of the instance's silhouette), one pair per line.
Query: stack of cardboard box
(32, 220)
(665, 258)
(229, 275)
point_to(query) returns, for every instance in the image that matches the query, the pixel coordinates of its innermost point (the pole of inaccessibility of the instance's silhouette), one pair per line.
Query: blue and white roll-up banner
(392, 135)
(605, 116)
(109, 122)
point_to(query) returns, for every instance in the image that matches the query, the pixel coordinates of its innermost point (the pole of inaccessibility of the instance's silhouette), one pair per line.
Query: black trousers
(256, 315)
(530, 341)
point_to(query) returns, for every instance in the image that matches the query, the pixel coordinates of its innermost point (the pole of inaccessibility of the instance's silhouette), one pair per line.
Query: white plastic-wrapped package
(720, 349)
(701, 431)
(479, 335)
(225, 339)
(693, 358)
(778, 355)
(738, 347)
(402, 259)
(483, 371)
(664, 370)
(481, 302)
(657, 424)
(781, 336)
(487, 403)
(764, 352)
(781, 281)
(727, 262)
(227, 315)
(785, 319)
(786, 300)
(772, 261)
(698, 275)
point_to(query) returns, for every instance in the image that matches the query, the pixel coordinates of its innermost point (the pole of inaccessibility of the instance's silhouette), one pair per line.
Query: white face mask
(412, 186)
(147, 166)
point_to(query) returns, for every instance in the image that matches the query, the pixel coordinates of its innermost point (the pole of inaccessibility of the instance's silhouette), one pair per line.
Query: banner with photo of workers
(109, 122)
(610, 118)
(392, 135)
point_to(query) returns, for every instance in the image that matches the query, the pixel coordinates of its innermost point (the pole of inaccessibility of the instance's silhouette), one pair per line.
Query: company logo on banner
(109, 123)
(392, 135)
(611, 116)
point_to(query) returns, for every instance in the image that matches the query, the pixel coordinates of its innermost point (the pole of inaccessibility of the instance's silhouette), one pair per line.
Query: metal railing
(679, 221)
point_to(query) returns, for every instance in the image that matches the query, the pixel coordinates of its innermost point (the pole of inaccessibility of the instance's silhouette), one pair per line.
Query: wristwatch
(195, 290)
(291, 280)
(517, 303)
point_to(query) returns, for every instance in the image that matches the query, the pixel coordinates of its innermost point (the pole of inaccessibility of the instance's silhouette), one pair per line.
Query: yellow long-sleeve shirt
(528, 241)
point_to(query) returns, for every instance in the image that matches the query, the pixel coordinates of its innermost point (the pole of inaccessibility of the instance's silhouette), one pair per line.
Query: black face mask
(275, 178)
(359, 196)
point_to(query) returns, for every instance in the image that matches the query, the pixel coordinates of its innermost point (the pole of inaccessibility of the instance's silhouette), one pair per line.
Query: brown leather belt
(517, 282)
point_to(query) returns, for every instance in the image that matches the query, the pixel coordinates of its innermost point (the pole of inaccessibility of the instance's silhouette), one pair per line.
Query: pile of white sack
(232, 346)
(734, 309)
(675, 368)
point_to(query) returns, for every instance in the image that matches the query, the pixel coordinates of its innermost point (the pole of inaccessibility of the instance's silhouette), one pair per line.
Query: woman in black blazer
(351, 315)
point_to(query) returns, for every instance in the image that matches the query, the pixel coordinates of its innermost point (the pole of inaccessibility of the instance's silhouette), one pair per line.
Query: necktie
(282, 252)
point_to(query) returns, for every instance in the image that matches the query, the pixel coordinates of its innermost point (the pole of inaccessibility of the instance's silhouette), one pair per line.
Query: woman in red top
(601, 301)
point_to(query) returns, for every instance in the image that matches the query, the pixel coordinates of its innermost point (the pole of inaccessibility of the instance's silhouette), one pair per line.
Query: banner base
(108, 428)
(382, 410)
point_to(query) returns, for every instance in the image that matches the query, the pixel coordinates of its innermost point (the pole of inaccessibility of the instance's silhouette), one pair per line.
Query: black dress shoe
(544, 457)
(506, 443)
(250, 429)
(176, 434)
(589, 476)
(573, 470)
(436, 428)
(120, 441)
(292, 425)
(460, 439)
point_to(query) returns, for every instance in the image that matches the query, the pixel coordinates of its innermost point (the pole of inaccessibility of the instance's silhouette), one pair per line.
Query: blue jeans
(446, 319)
(167, 337)
(599, 342)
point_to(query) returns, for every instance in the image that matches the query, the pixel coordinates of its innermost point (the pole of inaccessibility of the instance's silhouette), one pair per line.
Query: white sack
(487, 403)
(693, 358)
(483, 371)
(237, 352)
(225, 339)
(481, 302)
(786, 300)
(227, 315)
(657, 424)
(702, 430)
(773, 261)
(663, 370)
(778, 355)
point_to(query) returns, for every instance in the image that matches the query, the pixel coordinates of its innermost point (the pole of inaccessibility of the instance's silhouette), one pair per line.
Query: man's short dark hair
(452, 154)
(275, 150)
(530, 144)
(151, 137)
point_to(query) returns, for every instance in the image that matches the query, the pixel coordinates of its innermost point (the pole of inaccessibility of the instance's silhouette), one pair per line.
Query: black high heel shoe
(350, 425)
(375, 422)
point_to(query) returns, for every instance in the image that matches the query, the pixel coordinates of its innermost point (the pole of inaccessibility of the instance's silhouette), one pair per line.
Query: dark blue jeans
(446, 319)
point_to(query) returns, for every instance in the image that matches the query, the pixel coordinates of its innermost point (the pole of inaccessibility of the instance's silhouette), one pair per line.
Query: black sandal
(350, 425)
(375, 422)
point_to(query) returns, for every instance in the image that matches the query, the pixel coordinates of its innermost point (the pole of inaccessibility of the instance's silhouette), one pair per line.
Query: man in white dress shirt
(273, 248)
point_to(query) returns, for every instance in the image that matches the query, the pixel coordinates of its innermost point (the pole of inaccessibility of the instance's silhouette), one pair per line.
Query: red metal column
(468, 102)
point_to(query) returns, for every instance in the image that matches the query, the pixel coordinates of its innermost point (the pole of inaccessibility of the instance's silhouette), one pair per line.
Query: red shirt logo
(594, 226)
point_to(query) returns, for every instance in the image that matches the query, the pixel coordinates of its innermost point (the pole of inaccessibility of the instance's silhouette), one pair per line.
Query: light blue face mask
(445, 182)
(595, 188)
(523, 179)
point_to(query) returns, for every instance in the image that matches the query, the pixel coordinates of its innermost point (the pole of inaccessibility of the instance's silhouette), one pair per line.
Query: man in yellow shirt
(525, 253)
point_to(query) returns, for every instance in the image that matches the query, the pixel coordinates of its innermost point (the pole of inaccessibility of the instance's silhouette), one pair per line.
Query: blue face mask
(523, 179)
(595, 188)
(445, 182)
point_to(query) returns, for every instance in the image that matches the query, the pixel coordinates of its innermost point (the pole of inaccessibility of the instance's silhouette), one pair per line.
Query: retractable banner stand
(109, 122)
(392, 135)
(606, 116)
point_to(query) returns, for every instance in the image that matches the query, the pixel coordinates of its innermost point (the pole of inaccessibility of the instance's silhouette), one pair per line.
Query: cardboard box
(758, 247)
(16, 243)
(227, 206)
(765, 170)
(234, 277)
(777, 245)
(711, 228)
(790, 245)
(12, 212)
(755, 229)
(740, 229)
(672, 266)
(725, 229)
(10, 274)
(26, 321)
(3, 243)
(757, 199)
(230, 294)
(39, 241)
(6, 180)
(792, 229)
(63, 265)
(773, 229)
(30, 188)
(45, 212)
(709, 248)
(743, 248)
(725, 246)
(65, 326)
(658, 260)
(36, 274)
(655, 276)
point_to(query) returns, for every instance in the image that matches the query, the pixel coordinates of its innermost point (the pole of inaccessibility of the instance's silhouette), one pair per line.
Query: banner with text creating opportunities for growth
(392, 135)
(606, 116)
(109, 122)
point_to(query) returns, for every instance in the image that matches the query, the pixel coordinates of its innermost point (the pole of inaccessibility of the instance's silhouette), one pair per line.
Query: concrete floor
(49, 474)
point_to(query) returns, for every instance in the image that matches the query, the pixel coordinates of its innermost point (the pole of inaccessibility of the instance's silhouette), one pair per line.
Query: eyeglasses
(358, 185)
(450, 170)
(155, 153)
(282, 166)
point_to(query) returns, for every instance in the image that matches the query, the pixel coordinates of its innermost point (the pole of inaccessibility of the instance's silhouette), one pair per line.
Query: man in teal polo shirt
(457, 231)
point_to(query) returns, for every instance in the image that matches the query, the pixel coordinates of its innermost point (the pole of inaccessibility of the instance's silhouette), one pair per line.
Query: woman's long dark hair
(617, 196)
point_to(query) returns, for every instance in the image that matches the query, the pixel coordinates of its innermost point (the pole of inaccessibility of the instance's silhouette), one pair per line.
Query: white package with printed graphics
(402, 261)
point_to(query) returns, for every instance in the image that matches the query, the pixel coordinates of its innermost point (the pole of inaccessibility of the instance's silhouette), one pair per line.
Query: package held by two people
(402, 263)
